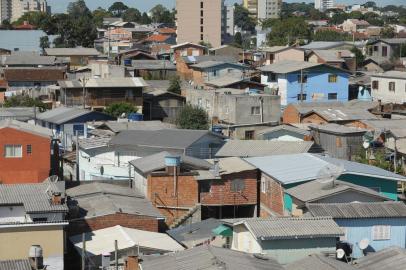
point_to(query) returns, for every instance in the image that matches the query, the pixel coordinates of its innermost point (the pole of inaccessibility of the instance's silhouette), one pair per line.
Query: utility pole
(83, 251)
(116, 254)
(301, 85)
(84, 81)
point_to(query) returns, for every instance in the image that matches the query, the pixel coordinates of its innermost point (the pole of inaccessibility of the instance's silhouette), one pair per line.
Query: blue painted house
(383, 224)
(317, 82)
(281, 172)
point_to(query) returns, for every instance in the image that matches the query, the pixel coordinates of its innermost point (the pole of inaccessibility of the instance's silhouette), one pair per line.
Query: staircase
(179, 221)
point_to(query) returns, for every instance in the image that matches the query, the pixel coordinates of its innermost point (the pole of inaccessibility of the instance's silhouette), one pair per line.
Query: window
(237, 185)
(381, 232)
(301, 97)
(201, 37)
(332, 96)
(304, 79)
(201, 29)
(384, 51)
(13, 151)
(40, 219)
(201, 20)
(29, 149)
(392, 86)
(272, 77)
(201, 4)
(264, 185)
(255, 110)
(375, 48)
(375, 84)
(332, 78)
(201, 13)
(249, 134)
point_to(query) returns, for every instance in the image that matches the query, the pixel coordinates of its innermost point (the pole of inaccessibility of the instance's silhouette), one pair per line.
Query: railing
(99, 102)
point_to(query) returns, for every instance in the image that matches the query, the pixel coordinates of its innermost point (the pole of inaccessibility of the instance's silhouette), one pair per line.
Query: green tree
(192, 117)
(24, 101)
(5, 24)
(388, 32)
(44, 42)
(78, 9)
(238, 39)
(338, 18)
(289, 31)
(359, 56)
(118, 109)
(160, 14)
(145, 19)
(356, 15)
(373, 19)
(242, 18)
(117, 9)
(98, 16)
(175, 85)
(132, 15)
(370, 4)
(331, 35)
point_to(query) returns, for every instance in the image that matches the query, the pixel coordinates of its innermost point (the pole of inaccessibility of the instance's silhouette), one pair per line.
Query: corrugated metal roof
(258, 148)
(102, 241)
(25, 127)
(305, 107)
(23, 264)
(343, 114)
(80, 51)
(332, 55)
(29, 59)
(34, 197)
(61, 115)
(91, 143)
(210, 258)
(204, 58)
(391, 258)
(337, 129)
(153, 64)
(319, 262)
(304, 132)
(137, 125)
(17, 113)
(358, 209)
(315, 190)
(391, 74)
(323, 45)
(230, 165)
(105, 82)
(296, 168)
(292, 227)
(288, 66)
(157, 162)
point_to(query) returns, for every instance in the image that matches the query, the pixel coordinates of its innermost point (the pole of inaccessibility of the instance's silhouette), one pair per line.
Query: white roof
(102, 241)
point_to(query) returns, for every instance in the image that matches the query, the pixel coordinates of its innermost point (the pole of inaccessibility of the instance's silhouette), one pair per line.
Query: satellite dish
(365, 145)
(340, 253)
(363, 244)
(329, 173)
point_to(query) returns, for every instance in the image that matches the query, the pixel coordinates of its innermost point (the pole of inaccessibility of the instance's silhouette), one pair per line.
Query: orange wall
(31, 168)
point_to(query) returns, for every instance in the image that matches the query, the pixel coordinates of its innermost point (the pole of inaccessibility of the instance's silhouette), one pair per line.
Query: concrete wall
(244, 241)
(382, 93)
(21, 238)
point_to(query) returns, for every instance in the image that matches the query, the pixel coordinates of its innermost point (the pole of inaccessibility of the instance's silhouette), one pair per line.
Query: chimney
(131, 263)
(35, 257)
(339, 55)
(56, 198)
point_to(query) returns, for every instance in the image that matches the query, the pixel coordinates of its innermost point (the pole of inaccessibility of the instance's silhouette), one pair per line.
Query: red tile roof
(157, 38)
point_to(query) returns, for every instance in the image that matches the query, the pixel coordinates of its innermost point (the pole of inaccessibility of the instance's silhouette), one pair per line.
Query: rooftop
(25, 127)
(306, 107)
(333, 55)
(323, 45)
(80, 51)
(62, 115)
(136, 125)
(393, 258)
(209, 257)
(391, 74)
(337, 129)
(317, 189)
(152, 64)
(292, 227)
(27, 59)
(204, 58)
(22, 264)
(288, 66)
(256, 148)
(319, 261)
(105, 82)
(295, 168)
(302, 131)
(213, 63)
(17, 113)
(388, 209)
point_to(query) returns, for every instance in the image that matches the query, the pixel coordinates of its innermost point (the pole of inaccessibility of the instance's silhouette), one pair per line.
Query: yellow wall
(16, 242)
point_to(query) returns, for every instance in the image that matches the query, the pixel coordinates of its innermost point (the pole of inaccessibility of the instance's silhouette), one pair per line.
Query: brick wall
(197, 77)
(290, 115)
(314, 119)
(221, 194)
(126, 220)
(272, 198)
(30, 168)
(183, 70)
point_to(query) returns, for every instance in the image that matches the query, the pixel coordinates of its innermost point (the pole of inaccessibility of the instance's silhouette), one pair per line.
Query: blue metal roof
(295, 168)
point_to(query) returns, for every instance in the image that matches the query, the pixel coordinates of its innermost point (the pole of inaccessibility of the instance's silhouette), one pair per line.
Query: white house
(389, 86)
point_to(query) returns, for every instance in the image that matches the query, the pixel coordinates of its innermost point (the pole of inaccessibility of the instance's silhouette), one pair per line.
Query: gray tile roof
(316, 190)
(155, 162)
(195, 233)
(332, 55)
(323, 45)
(305, 107)
(213, 63)
(391, 74)
(30, 59)
(17, 113)
(22, 264)
(62, 115)
(343, 114)
(165, 138)
(258, 148)
(295, 168)
(137, 125)
(210, 258)
(204, 58)
(288, 66)
(333, 128)
(152, 64)
(91, 143)
(80, 51)
(99, 199)
(393, 258)
(34, 197)
(304, 132)
(25, 127)
(292, 227)
(126, 82)
(358, 209)
(319, 262)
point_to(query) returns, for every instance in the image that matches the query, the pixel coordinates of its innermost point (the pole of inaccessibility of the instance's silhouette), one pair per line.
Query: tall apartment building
(200, 21)
(263, 9)
(323, 5)
(229, 19)
(13, 9)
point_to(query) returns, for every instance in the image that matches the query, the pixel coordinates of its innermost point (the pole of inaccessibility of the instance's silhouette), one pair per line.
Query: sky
(145, 5)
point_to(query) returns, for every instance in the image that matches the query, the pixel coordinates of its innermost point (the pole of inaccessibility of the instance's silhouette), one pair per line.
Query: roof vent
(261, 256)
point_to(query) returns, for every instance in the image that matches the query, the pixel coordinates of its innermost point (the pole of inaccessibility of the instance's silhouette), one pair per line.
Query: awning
(223, 230)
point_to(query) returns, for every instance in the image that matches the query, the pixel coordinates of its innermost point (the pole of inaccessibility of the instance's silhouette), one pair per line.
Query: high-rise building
(323, 5)
(12, 10)
(200, 21)
(229, 20)
(263, 9)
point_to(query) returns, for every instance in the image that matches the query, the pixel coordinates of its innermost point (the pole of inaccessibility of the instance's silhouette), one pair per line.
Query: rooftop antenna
(330, 173)
(363, 244)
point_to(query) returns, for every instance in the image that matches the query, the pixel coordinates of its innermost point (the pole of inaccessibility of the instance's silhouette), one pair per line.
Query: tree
(78, 9)
(24, 101)
(289, 31)
(238, 39)
(99, 14)
(160, 14)
(331, 35)
(117, 9)
(356, 15)
(131, 15)
(242, 18)
(373, 19)
(5, 24)
(44, 42)
(370, 4)
(359, 56)
(338, 18)
(175, 85)
(192, 117)
(145, 19)
(388, 32)
(118, 109)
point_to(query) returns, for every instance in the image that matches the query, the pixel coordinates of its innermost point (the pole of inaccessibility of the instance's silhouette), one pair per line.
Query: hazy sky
(145, 5)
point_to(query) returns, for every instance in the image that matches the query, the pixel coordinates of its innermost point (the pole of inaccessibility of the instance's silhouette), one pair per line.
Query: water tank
(172, 161)
(127, 62)
(135, 117)
(35, 251)
(105, 260)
